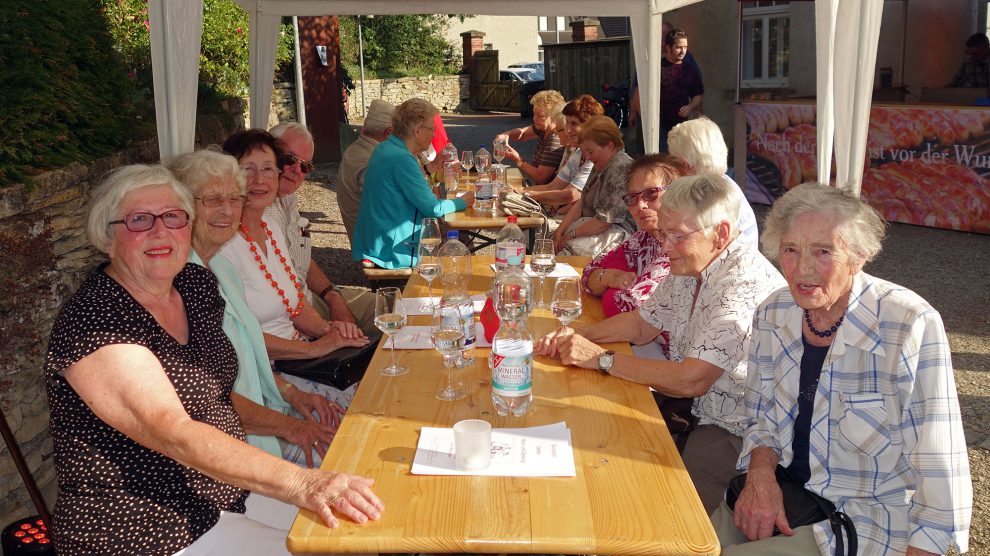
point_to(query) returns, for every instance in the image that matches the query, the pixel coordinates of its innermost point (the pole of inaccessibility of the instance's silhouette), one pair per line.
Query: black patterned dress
(114, 495)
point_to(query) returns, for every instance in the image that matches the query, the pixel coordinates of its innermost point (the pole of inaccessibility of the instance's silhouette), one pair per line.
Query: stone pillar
(472, 41)
(586, 29)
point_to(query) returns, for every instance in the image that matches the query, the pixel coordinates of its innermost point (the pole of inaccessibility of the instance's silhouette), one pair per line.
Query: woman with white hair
(149, 448)
(850, 395)
(706, 306)
(700, 146)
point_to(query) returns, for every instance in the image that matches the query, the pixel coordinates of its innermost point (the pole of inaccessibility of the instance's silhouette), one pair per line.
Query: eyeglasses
(219, 200)
(144, 221)
(676, 239)
(649, 195)
(304, 165)
(267, 173)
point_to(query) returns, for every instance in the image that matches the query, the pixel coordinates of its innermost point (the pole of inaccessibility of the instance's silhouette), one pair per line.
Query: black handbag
(339, 369)
(802, 507)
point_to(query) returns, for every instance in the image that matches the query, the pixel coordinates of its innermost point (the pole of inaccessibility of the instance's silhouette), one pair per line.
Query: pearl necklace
(268, 275)
(822, 333)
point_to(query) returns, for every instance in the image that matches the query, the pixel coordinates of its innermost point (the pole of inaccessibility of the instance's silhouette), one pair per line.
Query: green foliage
(64, 94)
(398, 45)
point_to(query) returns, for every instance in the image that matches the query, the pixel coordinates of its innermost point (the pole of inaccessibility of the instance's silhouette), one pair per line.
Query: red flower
(239, 31)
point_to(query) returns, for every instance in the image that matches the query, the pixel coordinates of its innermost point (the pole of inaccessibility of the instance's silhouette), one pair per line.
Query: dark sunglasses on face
(649, 195)
(144, 221)
(304, 165)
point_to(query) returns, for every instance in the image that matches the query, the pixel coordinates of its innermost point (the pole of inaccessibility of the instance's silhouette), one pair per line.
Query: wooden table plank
(630, 495)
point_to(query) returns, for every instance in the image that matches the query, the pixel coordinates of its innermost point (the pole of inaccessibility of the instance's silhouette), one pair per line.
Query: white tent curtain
(847, 31)
(177, 119)
(176, 34)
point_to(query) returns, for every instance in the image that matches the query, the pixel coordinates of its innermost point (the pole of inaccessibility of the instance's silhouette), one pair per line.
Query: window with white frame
(561, 23)
(766, 38)
(543, 23)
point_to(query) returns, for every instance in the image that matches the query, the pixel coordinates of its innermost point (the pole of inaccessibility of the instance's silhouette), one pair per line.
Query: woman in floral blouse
(626, 276)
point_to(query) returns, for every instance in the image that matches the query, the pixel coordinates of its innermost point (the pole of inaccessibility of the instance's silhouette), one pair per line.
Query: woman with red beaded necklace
(270, 283)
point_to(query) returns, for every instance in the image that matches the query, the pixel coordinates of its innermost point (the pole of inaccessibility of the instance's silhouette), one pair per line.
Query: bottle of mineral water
(510, 246)
(484, 195)
(511, 358)
(512, 368)
(455, 273)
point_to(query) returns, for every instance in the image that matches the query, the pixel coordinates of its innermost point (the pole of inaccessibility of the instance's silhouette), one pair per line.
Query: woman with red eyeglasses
(626, 276)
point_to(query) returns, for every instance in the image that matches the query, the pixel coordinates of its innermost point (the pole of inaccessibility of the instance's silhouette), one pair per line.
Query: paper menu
(544, 451)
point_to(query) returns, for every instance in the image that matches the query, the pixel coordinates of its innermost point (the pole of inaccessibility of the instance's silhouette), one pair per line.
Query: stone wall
(449, 93)
(47, 256)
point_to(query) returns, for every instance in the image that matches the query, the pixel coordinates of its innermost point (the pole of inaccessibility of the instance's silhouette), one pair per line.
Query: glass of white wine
(390, 317)
(428, 266)
(467, 162)
(566, 304)
(447, 335)
(542, 262)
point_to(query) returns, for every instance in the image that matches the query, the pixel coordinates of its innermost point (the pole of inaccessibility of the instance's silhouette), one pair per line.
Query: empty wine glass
(447, 335)
(566, 304)
(428, 268)
(390, 317)
(542, 262)
(467, 162)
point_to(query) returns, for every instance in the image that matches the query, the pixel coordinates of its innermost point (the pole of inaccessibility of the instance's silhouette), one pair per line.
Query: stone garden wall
(449, 93)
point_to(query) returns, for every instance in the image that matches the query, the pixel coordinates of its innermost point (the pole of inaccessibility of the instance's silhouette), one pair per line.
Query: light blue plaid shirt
(887, 444)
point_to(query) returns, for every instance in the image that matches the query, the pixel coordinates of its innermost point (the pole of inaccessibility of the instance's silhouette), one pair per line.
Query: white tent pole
(263, 43)
(176, 34)
(825, 18)
(300, 89)
(361, 60)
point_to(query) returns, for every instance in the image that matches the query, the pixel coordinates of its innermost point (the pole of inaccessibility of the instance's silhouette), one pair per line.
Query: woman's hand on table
(346, 329)
(578, 351)
(307, 403)
(330, 492)
(548, 345)
(468, 199)
(559, 239)
(760, 507)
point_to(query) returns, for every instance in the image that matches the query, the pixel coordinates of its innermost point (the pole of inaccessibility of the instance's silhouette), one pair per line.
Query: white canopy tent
(847, 30)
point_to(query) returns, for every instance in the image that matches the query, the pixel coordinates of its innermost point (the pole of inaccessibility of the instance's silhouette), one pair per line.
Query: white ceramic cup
(472, 444)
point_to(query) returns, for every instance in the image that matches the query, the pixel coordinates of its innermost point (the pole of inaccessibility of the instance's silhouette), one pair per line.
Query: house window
(766, 39)
(543, 23)
(561, 23)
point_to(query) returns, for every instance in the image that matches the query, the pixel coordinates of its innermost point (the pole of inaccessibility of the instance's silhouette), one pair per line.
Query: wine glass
(447, 335)
(542, 262)
(498, 147)
(428, 269)
(467, 162)
(566, 304)
(483, 163)
(390, 317)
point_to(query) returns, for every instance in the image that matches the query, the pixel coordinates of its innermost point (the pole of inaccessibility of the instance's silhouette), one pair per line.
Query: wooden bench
(377, 276)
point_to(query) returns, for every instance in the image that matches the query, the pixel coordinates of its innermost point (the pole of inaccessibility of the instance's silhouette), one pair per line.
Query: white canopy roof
(846, 30)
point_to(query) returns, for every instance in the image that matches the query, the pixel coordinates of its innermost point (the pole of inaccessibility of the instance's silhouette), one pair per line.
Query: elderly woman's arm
(520, 134)
(126, 387)
(282, 349)
(262, 421)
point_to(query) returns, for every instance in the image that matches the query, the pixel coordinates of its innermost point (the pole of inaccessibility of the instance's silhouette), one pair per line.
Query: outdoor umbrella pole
(22, 468)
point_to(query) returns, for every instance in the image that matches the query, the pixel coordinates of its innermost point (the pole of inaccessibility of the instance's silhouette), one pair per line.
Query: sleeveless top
(114, 495)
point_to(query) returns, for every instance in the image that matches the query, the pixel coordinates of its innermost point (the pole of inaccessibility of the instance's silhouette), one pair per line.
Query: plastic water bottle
(449, 152)
(455, 273)
(484, 195)
(451, 173)
(510, 246)
(511, 358)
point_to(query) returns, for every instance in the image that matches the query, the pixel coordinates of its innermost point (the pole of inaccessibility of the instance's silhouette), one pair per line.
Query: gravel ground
(949, 269)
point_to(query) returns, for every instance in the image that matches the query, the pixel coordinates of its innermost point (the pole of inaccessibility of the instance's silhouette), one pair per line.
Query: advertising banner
(925, 165)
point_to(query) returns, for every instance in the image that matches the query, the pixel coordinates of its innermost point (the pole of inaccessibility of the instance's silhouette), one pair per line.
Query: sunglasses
(649, 195)
(304, 165)
(144, 221)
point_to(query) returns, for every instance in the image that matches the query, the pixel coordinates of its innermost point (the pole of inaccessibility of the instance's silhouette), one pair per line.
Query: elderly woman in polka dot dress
(149, 449)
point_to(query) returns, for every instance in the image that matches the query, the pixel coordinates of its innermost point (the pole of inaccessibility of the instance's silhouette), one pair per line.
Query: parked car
(535, 66)
(531, 82)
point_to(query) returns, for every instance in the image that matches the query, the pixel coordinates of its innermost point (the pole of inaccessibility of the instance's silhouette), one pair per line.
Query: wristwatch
(605, 361)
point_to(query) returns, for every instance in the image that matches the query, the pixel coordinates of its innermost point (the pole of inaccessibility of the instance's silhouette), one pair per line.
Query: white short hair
(709, 198)
(105, 202)
(860, 226)
(699, 143)
(194, 169)
(280, 130)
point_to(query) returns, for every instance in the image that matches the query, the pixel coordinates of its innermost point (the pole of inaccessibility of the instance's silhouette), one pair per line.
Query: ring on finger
(335, 498)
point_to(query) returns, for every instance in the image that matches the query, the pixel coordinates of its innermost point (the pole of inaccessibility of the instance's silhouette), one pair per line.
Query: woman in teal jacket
(396, 196)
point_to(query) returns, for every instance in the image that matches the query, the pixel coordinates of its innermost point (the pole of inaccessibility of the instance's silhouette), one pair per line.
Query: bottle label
(484, 190)
(510, 253)
(467, 315)
(512, 375)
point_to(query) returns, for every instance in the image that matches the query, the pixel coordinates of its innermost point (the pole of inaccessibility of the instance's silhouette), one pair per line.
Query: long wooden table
(474, 222)
(631, 494)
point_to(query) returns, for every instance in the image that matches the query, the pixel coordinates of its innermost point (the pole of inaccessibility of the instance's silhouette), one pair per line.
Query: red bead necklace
(268, 275)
